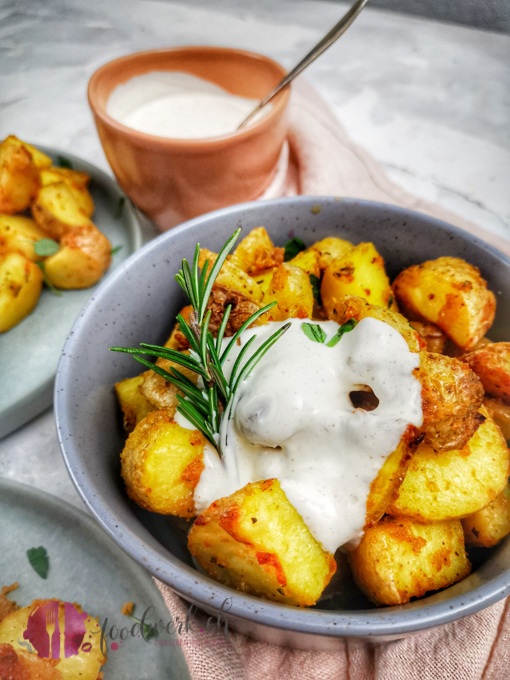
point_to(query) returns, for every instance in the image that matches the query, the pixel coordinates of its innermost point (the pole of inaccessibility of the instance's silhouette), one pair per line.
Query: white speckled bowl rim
(134, 304)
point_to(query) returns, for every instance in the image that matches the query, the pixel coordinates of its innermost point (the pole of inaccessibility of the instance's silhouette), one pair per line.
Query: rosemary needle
(205, 405)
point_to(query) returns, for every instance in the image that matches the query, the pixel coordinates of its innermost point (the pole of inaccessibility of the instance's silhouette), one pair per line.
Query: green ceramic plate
(29, 353)
(88, 568)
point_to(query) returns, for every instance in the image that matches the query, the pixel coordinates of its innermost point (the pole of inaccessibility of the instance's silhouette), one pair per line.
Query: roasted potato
(434, 337)
(290, 287)
(330, 249)
(24, 665)
(454, 484)
(21, 283)
(232, 277)
(39, 158)
(241, 308)
(491, 363)
(84, 256)
(385, 486)
(357, 308)
(256, 253)
(19, 234)
(76, 181)
(19, 178)
(450, 293)
(398, 559)
(451, 397)
(133, 404)
(488, 526)
(86, 664)
(56, 210)
(360, 272)
(308, 261)
(161, 464)
(255, 541)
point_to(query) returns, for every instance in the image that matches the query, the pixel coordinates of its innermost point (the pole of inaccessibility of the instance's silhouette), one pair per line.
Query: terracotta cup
(172, 180)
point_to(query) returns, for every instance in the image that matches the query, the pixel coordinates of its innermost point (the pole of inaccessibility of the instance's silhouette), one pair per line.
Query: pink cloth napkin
(320, 159)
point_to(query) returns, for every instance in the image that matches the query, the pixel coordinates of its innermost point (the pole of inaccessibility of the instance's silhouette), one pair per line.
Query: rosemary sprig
(205, 404)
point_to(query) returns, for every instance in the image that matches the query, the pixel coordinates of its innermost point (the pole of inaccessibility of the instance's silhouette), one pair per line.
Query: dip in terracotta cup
(174, 179)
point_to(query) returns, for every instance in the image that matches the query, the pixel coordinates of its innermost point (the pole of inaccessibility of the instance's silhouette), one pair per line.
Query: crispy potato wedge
(450, 293)
(290, 287)
(56, 210)
(454, 484)
(133, 405)
(241, 308)
(161, 464)
(19, 234)
(385, 486)
(255, 541)
(21, 283)
(308, 261)
(491, 363)
(19, 178)
(330, 249)
(158, 391)
(398, 559)
(354, 307)
(83, 258)
(451, 397)
(39, 158)
(487, 527)
(361, 272)
(76, 181)
(232, 277)
(256, 253)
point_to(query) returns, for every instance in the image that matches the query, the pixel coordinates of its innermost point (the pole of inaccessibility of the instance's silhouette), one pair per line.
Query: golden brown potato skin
(357, 308)
(290, 287)
(398, 559)
(450, 293)
(83, 258)
(491, 363)
(132, 402)
(161, 464)
(241, 309)
(490, 525)
(500, 412)
(451, 397)
(56, 210)
(19, 178)
(432, 334)
(22, 665)
(385, 486)
(454, 484)
(360, 272)
(21, 283)
(256, 252)
(255, 541)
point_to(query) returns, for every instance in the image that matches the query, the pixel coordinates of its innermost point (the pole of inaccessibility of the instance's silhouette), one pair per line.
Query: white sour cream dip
(293, 420)
(178, 105)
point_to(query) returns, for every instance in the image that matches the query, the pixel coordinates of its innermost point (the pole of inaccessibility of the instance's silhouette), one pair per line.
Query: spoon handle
(337, 30)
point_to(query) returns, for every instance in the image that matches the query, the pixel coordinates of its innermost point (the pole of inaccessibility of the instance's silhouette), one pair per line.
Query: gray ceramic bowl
(138, 302)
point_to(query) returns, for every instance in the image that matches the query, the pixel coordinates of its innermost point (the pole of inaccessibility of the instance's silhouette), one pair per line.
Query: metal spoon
(337, 30)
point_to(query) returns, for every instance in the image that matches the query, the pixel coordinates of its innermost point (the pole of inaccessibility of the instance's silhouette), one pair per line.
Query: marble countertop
(428, 100)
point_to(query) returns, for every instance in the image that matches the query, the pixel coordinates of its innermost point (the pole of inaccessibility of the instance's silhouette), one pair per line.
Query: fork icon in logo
(55, 629)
